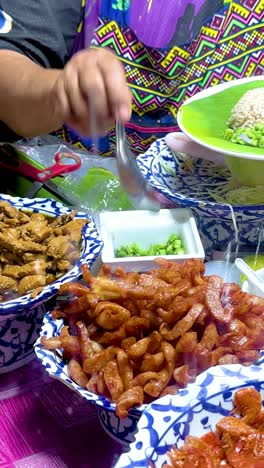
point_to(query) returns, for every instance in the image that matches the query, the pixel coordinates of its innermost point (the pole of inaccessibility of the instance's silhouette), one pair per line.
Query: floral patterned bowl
(21, 318)
(188, 183)
(122, 430)
(193, 411)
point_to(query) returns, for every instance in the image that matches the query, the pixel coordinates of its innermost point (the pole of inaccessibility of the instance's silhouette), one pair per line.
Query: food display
(35, 249)
(133, 337)
(238, 439)
(173, 246)
(246, 123)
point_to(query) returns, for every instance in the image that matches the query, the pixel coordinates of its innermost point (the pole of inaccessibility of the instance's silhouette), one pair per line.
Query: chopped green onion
(173, 246)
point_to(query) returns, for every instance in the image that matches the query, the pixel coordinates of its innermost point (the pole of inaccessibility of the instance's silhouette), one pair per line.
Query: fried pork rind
(155, 331)
(77, 374)
(237, 441)
(35, 249)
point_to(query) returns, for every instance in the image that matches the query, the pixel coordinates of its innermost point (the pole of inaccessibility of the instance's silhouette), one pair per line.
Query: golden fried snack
(140, 336)
(99, 360)
(138, 349)
(77, 374)
(77, 289)
(129, 399)
(92, 384)
(210, 338)
(152, 362)
(248, 404)
(155, 342)
(213, 300)
(112, 338)
(127, 342)
(68, 343)
(51, 343)
(183, 325)
(142, 379)
(125, 368)
(184, 375)
(113, 379)
(88, 348)
(186, 342)
(155, 387)
(135, 326)
(110, 316)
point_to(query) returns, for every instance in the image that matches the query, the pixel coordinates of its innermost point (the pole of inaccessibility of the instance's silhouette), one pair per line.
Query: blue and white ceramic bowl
(193, 411)
(21, 318)
(122, 430)
(187, 183)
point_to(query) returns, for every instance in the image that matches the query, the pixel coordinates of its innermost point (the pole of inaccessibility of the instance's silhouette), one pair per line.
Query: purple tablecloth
(43, 424)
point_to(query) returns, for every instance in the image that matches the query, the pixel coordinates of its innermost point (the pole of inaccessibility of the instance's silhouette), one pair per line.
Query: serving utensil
(140, 192)
(251, 275)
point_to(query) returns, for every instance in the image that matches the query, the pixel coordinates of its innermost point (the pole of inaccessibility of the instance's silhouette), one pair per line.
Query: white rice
(249, 110)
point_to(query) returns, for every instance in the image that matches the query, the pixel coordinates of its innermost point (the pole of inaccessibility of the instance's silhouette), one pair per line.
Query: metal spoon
(141, 194)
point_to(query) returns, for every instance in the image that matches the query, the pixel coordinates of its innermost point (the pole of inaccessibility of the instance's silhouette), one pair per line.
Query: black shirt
(43, 30)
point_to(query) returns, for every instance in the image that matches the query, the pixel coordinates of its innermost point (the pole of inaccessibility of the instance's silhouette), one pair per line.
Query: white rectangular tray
(146, 228)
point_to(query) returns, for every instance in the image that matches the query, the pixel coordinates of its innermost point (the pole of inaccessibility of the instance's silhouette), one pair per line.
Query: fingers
(75, 98)
(181, 143)
(116, 88)
(92, 92)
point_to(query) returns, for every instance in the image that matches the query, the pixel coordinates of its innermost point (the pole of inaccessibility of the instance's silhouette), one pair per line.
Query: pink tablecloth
(45, 425)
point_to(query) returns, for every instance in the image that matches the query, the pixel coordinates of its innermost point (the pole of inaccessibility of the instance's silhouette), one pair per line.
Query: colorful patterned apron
(161, 72)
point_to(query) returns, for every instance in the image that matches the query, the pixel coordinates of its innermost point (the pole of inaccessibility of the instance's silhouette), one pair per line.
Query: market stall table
(46, 425)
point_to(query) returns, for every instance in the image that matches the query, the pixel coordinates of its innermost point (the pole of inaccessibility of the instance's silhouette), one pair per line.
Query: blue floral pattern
(122, 430)
(21, 318)
(187, 182)
(194, 410)
(91, 248)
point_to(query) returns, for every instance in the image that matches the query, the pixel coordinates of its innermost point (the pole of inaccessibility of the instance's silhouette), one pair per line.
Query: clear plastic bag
(94, 186)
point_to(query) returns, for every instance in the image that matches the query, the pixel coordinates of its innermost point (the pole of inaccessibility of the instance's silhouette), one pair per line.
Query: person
(56, 71)
(40, 88)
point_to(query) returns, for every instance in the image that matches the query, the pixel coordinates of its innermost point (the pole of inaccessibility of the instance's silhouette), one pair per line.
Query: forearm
(25, 95)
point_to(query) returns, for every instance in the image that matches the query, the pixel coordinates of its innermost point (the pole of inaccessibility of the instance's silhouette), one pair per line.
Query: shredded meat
(35, 249)
(29, 283)
(58, 247)
(7, 283)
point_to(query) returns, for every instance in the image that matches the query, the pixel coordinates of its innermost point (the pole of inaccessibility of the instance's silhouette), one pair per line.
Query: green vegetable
(246, 136)
(173, 246)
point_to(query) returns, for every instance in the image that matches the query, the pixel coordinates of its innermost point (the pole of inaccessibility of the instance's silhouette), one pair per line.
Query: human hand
(180, 143)
(91, 92)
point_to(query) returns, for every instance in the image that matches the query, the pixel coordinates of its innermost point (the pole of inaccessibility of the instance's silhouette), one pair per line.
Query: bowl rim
(236, 152)
(211, 383)
(157, 151)
(91, 247)
(57, 368)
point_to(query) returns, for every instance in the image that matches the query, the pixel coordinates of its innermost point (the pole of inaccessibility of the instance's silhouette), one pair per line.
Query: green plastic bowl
(204, 118)
(246, 171)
